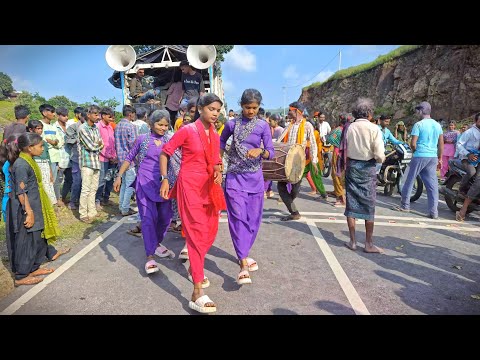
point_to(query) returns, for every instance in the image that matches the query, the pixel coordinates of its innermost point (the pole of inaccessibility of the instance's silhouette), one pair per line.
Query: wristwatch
(263, 152)
(163, 178)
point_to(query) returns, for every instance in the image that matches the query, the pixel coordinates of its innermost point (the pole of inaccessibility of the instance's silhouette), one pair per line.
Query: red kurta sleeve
(177, 140)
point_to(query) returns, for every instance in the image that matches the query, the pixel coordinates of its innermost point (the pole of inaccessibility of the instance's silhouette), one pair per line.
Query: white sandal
(244, 280)
(199, 305)
(205, 282)
(151, 267)
(162, 252)
(183, 254)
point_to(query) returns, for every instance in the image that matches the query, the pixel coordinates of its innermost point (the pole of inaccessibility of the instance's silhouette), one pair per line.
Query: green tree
(223, 50)
(111, 103)
(6, 86)
(27, 99)
(61, 100)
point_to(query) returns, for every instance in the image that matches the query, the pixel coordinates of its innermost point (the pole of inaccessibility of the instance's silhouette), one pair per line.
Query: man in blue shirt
(427, 144)
(386, 133)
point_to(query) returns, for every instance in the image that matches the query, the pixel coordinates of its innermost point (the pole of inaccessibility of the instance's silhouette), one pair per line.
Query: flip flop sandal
(252, 264)
(162, 252)
(183, 254)
(136, 231)
(459, 217)
(151, 267)
(205, 282)
(199, 305)
(245, 279)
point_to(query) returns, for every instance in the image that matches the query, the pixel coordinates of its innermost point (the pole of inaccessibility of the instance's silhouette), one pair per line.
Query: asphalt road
(429, 267)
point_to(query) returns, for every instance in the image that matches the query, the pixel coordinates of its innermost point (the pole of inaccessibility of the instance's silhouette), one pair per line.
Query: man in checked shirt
(89, 145)
(298, 132)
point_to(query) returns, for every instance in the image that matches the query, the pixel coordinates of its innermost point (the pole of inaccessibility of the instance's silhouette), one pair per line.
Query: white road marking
(340, 219)
(22, 300)
(357, 304)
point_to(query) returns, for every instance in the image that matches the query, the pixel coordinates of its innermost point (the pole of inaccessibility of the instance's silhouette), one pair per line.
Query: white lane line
(342, 220)
(353, 298)
(22, 300)
(409, 218)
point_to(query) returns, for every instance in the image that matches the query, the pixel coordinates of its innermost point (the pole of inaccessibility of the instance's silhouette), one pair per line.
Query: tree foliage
(6, 85)
(61, 100)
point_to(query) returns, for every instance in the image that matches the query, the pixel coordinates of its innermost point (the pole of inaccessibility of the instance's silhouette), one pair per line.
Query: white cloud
(241, 58)
(322, 76)
(21, 84)
(290, 72)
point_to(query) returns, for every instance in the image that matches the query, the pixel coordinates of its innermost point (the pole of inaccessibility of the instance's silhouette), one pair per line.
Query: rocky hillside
(448, 76)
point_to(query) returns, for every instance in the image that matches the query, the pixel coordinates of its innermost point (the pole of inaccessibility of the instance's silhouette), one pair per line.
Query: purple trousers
(268, 185)
(155, 217)
(244, 211)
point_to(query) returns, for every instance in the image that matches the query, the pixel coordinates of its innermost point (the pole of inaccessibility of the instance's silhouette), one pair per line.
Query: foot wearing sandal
(252, 264)
(29, 280)
(459, 217)
(243, 276)
(201, 303)
(151, 266)
(60, 253)
(136, 231)
(44, 271)
(205, 281)
(295, 216)
(162, 252)
(183, 254)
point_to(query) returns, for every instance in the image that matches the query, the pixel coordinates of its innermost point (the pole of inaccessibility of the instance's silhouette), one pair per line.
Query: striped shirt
(89, 145)
(309, 135)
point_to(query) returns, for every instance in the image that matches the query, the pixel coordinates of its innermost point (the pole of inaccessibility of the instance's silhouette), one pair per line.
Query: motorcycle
(394, 170)
(451, 186)
(327, 154)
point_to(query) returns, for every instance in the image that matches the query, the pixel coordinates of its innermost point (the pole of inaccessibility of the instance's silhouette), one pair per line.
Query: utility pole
(339, 59)
(284, 99)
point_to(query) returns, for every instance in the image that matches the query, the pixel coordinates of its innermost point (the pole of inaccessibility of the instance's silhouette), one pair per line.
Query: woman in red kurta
(197, 189)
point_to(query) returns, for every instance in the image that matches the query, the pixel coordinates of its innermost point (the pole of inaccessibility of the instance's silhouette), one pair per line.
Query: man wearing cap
(298, 132)
(427, 146)
(192, 83)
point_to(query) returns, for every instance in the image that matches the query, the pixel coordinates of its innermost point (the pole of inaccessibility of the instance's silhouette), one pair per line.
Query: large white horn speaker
(201, 56)
(120, 57)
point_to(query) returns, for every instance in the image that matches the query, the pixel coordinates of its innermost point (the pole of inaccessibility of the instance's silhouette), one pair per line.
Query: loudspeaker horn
(201, 56)
(120, 57)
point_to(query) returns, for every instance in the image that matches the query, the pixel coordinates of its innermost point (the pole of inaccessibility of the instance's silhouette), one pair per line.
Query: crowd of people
(185, 163)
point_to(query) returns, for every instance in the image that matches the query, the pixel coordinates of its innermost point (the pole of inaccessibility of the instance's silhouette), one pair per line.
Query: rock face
(447, 76)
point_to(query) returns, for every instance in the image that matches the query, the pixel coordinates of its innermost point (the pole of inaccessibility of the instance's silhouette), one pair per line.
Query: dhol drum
(287, 165)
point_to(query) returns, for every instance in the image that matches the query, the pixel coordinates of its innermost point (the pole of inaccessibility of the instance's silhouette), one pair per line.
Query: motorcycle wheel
(453, 183)
(417, 188)
(327, 166)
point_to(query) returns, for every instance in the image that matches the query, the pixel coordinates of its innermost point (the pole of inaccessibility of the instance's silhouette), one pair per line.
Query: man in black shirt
(22, 114)
(192, 82)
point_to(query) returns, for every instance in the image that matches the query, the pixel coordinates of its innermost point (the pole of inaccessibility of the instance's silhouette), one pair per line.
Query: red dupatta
(212, 152)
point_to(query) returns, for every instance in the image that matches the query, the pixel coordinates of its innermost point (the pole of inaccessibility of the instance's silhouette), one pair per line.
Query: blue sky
(80, 71)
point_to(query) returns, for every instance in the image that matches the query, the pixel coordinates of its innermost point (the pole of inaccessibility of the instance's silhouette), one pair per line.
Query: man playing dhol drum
(298, 132)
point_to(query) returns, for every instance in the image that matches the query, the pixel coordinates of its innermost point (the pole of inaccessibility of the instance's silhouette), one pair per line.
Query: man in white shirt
(364, 149)
(323, 127)
(299, 124)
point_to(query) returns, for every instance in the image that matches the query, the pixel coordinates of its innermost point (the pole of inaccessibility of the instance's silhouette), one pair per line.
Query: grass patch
(353, 70)
(7, 114)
